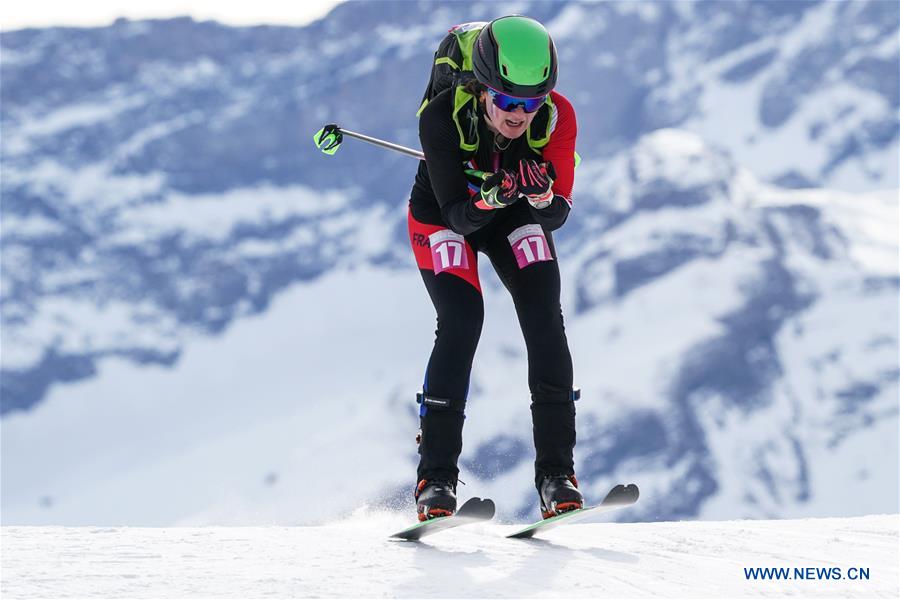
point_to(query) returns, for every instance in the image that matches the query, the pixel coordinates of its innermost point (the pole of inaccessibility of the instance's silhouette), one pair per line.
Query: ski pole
(329, 138)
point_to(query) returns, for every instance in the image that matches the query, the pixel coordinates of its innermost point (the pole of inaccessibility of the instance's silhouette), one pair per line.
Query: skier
(507, 121)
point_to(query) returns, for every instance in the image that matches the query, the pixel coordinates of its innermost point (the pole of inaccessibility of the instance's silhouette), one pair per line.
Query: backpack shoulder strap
(538, 134)
(465, 117)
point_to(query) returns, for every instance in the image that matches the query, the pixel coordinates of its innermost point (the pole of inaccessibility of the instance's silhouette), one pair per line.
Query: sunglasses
(509, 103)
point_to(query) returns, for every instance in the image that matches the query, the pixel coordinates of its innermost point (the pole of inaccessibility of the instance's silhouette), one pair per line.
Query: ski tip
(478, 507)
(632, 492)
(622, 494)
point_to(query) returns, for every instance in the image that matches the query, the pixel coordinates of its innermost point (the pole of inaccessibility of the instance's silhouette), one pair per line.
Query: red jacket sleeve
(560, 150)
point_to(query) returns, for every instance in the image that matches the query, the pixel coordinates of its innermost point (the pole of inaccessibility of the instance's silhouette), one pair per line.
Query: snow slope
(354, 558)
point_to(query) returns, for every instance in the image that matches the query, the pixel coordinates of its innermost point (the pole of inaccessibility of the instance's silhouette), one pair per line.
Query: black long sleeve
(554, 216)
(445, 168)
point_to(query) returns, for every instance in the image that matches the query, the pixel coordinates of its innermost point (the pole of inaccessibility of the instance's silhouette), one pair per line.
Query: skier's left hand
(535, 182)
(499, 190)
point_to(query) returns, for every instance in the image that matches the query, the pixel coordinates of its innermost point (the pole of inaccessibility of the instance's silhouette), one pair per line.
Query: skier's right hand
(498, 191)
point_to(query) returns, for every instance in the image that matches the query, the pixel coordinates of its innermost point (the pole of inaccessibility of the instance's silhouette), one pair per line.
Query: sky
(94, 13)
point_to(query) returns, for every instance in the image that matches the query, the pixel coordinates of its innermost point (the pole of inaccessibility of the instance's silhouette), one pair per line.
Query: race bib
(529, 244)
(448, 251)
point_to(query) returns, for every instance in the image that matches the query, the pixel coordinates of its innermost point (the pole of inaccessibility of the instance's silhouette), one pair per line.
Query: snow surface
(354, 558)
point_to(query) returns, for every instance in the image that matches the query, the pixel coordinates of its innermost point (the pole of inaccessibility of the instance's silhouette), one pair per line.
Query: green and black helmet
(515, 55)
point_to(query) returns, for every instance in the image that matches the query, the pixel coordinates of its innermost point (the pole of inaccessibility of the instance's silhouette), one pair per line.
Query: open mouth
(513, 123)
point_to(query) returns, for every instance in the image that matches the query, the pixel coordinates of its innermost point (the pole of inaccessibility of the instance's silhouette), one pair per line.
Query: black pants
(535, 290)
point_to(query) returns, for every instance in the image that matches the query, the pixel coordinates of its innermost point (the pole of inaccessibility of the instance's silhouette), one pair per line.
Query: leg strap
(557, 398)
(433, 402)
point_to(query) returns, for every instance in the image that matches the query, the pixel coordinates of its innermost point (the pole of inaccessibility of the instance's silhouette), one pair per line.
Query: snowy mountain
(195, 303)
(352, 558)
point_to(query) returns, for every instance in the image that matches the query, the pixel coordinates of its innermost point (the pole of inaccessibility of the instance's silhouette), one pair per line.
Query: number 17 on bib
(448, 251)
(529, 244)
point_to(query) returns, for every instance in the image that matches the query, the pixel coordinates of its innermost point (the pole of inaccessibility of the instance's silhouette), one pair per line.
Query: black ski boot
(559, 494)
(435, 498)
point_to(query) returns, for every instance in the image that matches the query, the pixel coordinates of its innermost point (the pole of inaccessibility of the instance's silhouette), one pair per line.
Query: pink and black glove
(498, 191)
(536, 182)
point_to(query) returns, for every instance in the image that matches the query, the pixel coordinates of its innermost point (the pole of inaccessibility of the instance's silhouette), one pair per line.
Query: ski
(474, 510)
(618, 497)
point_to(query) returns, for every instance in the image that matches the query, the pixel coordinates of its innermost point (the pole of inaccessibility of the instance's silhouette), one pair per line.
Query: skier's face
(510, 124)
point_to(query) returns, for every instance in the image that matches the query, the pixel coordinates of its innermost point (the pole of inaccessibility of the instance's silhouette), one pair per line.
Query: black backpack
(452, 60)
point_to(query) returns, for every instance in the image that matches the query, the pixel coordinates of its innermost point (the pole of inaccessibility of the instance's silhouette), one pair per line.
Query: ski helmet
(515, 55)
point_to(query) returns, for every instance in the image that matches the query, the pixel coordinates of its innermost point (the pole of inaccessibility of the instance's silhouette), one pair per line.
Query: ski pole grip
(478, 175)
